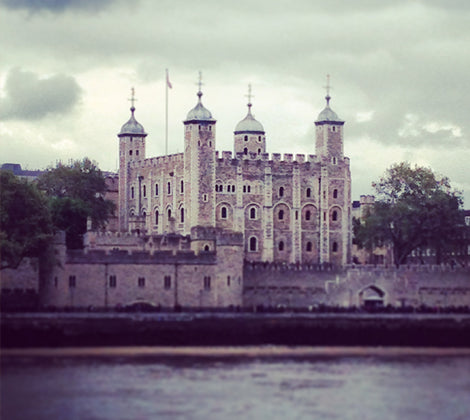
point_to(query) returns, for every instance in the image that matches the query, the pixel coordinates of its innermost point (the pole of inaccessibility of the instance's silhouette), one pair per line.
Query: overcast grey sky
(399, 74)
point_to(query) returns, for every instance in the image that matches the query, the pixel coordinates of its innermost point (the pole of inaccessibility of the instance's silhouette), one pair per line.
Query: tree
(25, 222)
(414, 209)
(76, 193)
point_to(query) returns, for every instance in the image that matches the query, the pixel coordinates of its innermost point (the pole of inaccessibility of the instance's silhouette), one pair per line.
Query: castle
(188, 222)
(293, 210)
(201, 229)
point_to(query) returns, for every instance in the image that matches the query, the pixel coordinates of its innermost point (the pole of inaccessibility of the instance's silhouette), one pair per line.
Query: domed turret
(249, 124)
(328, 115)
(132, 127)
(249, 134)
(199, 112)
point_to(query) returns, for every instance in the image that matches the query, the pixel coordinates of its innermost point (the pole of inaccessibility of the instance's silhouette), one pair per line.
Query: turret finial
(249, 96)
(327, 87)
(199, 83)
(132, 99)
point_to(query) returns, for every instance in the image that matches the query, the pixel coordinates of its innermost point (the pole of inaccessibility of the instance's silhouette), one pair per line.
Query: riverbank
(209, 329)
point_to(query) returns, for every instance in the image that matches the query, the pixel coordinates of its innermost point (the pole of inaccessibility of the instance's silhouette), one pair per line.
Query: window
(156, 217)
(112, 281)
(56, 282)
(144, 191)
(182, 187)
(253, 243)
(259, 138)
(204, 197)
(216, 188)
(253, 213)
(228, 281)
(233, 188)
(245, 150)
(248, 188)
(244, 188)
(223, 212)
(207, 283)
(132, 192)
(156, 189)
(335, 246)
(182, 215)
(308, 215)
(281, 246)
(141, 281)
(296, 215)
(72, 282)
(246, 138)
(309, 247)
(281, 192)
(167, 282)
(206, 248)
(169, 187)
(169, 214)
(335, 193)
(137, 153)
(334, 216)
(324, 216)
(280, 215)
(309, 192)
(259, 151)
(130, 152)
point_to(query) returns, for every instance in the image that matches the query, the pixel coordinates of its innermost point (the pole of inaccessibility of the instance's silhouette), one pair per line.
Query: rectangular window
(228, 281)
(156, 189)
(167, 282)
(207, 283)
(169, 187)
(112, 281)
(182, 187)
(72, 282)
(141, 281)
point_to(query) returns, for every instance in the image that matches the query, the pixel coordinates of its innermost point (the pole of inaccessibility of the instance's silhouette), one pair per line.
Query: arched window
(281, 246)
(182, 215)
(182, 186)
(223, 212)
(144, 191)
(334, 216)
(246, 138)
(253, 243)
(244, 188)
(309, 247)
(245, 150)
(281, 192)
(335, 247)
(307, 215)
(156, 217)
(233, 188)
(309, 192)
(216, 188)
(259, 151)
(335, 193)
(248, 188)
(130, 152)
(253, 213)
(280, 215)
(169, 214)
(207, 248)
(156, 189)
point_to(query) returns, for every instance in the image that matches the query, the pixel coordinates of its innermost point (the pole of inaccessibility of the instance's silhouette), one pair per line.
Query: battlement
(227, 156)
(157, 161)
(407, 268)
(139, 257)
(286, 267)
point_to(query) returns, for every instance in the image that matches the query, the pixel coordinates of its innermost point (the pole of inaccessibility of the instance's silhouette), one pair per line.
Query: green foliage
(77, 193)
(25, 222)
(414, 209)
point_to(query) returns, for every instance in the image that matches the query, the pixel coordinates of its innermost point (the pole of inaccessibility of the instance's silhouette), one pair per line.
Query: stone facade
(294, 209)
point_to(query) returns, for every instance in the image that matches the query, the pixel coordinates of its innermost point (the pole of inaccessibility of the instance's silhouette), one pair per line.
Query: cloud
(31, 97)
(56, 6)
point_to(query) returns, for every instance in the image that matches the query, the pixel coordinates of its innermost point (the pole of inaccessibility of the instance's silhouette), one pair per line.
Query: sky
(399, 74)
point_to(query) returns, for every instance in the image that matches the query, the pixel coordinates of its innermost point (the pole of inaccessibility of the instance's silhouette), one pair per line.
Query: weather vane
(327, 87)
(199, 83)
(249, 96)
(132, 98)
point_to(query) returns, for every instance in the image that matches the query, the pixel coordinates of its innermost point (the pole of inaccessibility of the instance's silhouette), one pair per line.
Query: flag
(168, 83)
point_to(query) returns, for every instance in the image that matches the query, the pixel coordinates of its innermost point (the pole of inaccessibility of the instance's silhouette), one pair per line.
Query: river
(236, 383)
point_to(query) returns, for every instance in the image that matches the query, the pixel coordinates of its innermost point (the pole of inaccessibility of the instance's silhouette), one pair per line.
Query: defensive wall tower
(131, 148)
(199, 166)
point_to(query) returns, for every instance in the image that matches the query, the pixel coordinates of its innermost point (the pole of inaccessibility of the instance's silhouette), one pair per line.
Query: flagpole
(166, 113)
